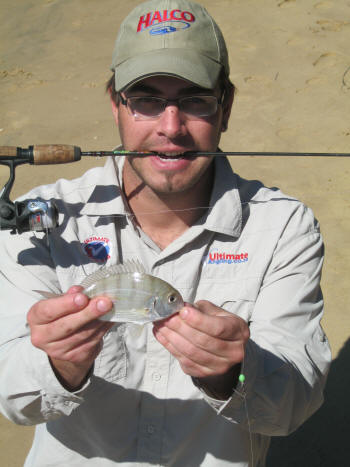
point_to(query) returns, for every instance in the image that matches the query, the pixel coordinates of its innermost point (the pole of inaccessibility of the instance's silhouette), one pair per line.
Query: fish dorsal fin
(128, 267)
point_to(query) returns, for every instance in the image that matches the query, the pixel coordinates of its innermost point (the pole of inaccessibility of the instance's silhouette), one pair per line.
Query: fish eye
(171, 298)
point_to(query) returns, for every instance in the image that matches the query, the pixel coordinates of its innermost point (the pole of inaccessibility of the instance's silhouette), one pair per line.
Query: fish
(137, 297)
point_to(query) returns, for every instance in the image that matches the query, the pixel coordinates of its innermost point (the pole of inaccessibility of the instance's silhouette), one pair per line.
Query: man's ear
(226, 109)
(115, 111)
(115, 108)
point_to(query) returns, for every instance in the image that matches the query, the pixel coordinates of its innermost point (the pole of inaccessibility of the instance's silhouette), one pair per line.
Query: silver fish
(137, 297)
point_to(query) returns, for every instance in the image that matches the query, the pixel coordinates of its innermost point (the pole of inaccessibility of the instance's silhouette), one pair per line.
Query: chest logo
(97, 248)
(222, 257)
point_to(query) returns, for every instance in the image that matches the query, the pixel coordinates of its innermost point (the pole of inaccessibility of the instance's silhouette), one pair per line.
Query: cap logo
(165, 22)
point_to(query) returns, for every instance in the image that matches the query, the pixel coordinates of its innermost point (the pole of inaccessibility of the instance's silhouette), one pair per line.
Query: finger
(188, 366)
(91, 346)
(230, 348)
(75, 289)
(47, 311)
(209, 308)
(200, 339)
(74, 322)
(226, 326)
(221, 348)
(78, 337)
(188, 347)
(81, 346)
(42, 335)
(193, 360)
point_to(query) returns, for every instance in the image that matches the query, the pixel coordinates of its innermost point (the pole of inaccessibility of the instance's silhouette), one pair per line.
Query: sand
(290, 62)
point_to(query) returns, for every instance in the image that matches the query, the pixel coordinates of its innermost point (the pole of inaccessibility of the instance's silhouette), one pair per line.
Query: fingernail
(102, 305)
(80, 299)
(184, 313)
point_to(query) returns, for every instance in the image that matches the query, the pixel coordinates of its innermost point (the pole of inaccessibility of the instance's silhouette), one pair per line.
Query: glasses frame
(125, 102)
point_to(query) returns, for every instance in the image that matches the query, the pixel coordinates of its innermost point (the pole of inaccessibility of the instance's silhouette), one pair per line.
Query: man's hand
(209, 344)
(67, 328)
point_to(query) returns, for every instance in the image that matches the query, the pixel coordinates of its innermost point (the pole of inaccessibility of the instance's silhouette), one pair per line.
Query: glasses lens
(146, 107)
(199, 106)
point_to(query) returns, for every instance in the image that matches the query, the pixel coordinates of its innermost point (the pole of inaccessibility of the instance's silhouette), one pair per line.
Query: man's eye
(146, 100)
(145, 105)
(195, 100)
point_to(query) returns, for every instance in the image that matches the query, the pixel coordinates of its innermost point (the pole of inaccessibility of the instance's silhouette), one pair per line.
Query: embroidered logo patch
(165, 22)
(220, 257)
(97, 248)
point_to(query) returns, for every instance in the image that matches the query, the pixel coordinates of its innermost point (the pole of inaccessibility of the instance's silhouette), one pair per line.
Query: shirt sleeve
(288, 355)
(29, 392)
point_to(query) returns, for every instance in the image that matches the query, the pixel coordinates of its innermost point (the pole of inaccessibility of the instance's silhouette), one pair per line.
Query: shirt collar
(106, 197)
(225, 215)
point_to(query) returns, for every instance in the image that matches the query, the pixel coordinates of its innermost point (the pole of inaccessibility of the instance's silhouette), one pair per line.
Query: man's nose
(171, 122)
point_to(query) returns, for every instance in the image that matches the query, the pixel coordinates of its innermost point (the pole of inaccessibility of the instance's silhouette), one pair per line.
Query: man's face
(170, 135)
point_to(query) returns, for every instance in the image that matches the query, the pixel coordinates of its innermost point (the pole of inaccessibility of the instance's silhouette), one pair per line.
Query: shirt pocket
(236, 296)
(111, 363)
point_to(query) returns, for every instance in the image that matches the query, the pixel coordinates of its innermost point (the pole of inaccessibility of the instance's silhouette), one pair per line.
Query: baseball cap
(169, 37)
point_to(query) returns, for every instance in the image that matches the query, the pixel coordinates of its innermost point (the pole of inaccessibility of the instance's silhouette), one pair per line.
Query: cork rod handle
(55, 154)
(8, 151)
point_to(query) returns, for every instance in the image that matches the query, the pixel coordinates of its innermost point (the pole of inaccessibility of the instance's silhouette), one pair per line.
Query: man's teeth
(170, 155)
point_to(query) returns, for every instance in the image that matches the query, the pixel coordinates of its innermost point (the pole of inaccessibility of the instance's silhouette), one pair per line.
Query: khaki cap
(171, 37)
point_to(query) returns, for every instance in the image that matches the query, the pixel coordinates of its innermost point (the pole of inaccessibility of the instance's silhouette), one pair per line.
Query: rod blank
(223, 153)
(63, 153)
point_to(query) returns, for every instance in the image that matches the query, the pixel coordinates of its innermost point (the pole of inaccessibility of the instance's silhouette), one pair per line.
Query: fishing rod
(40, 215)
(64, 153)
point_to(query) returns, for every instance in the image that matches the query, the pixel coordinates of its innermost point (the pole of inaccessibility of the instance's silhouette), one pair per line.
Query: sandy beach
(290, 62)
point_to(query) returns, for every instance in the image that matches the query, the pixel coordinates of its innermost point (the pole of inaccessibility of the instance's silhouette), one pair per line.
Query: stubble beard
(170, 184)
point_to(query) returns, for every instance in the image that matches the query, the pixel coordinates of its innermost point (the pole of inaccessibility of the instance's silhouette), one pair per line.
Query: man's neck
(166, 216)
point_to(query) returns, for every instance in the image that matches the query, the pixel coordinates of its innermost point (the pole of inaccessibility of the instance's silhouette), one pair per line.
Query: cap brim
(184, 64)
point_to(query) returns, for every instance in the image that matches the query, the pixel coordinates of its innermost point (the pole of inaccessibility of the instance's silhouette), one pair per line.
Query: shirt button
(150, 429)
(156, 376)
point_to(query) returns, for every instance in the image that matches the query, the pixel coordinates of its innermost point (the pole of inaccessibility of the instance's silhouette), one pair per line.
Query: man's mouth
(172, 155)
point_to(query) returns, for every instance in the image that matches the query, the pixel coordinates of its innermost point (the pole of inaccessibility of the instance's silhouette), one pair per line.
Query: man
(244, 359)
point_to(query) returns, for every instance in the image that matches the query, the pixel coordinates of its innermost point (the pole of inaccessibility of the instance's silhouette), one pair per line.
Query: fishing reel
(28, 215)
(31, 214)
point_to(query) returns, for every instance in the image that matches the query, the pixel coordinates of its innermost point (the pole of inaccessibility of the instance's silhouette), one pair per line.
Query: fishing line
(241, 391)
(164, 211)
(249, 430)
(241, 379)
(150, 213)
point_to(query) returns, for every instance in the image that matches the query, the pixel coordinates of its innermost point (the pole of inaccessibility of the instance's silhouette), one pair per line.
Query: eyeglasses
(151, 107)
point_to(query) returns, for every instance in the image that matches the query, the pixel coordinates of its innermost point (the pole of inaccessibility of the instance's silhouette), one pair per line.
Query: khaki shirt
(255, 252)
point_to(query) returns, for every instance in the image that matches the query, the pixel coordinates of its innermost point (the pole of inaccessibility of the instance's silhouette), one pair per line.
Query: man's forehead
(162, 84)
